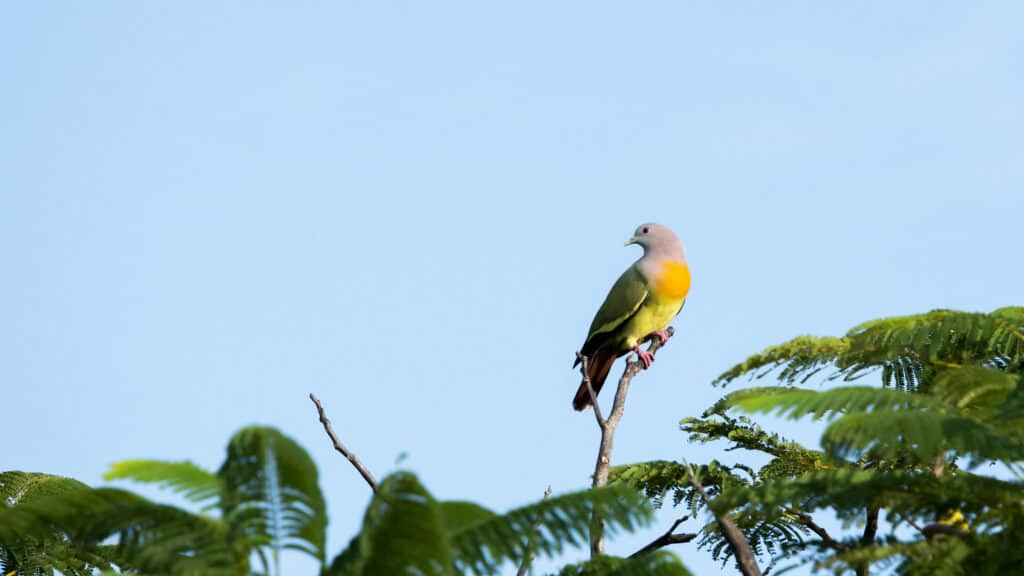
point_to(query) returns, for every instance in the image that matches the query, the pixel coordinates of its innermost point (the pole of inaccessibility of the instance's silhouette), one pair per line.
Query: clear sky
(210, 209)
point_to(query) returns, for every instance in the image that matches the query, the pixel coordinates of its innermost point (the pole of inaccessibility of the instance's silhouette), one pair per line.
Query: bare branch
(870, 529)
(528, 559)
(341, 447)
(737, 541)
(666, 539)
(939, 528)
(585, 370)
(870, 526)
(813, 526)
(604, 452)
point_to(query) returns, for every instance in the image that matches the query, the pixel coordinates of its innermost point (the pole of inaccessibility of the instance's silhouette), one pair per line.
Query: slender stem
(607, 426)
(666, 539)
(737, 541)
(341, 447)
(813, 526)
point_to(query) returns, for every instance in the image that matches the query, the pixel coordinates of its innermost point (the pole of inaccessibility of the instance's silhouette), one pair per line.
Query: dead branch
(737, 541)
(341, 447)
(826, 539)
(666, 539)
(607, 426)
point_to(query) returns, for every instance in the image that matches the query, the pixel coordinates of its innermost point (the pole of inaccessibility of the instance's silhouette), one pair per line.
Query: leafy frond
(907, 349)
(659, 563)
(769, 537)
(406, 529)
(402, 533)
(271, 495)
(659, 478)
(18, 487)
(907, 493)
(183, 478)
(546, 527)
(65, 531)
(797, 403)
(799, 359)
(925, 434)
(976, 391)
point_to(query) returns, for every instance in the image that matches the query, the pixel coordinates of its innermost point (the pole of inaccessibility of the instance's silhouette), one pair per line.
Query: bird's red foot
(646, 358)
(662, 335)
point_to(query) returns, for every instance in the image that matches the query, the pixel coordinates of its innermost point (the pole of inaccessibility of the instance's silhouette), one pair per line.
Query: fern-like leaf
(183, 478)
(271, 496)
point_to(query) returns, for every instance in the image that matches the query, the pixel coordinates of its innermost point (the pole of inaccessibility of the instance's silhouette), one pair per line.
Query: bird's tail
(597, 370)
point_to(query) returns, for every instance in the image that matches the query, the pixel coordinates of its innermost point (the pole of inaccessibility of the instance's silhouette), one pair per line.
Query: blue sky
(210, 210)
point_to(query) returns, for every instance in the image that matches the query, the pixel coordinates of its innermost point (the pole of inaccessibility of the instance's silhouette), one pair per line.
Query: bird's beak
(632, 240)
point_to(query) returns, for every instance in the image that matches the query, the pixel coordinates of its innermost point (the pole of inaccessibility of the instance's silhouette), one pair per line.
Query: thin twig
(666, 539)
(813, 526)
(607, 426)
(341, 447)
(528, 558)
(585, 369)
(737, 541)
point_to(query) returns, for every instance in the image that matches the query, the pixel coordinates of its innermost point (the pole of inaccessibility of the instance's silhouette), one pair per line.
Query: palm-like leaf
(184, 478)
(905, 348)
(659, 563)
(405, 530)
(271, 496)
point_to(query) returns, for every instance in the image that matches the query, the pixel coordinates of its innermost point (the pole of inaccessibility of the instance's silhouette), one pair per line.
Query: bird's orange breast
(673, 280)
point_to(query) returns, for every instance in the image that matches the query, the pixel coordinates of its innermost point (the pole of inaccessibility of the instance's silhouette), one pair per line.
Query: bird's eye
(645, 230)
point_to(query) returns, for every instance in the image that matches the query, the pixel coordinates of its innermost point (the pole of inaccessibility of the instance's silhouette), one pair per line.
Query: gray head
(657, 240)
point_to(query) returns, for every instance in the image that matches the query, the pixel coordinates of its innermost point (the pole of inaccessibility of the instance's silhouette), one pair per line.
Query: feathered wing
(601, 348)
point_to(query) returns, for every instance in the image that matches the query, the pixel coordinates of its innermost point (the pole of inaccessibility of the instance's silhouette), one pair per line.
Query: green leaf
(183, 478)
(271, 496)
(402, 533)
(797, 403)
(925, 434)
(546, 527)
(659, 563)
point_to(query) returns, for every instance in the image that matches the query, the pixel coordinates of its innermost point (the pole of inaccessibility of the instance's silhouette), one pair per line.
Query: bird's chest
(671, 281)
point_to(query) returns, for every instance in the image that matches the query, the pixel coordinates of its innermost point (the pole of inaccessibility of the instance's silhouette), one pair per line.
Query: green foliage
(907, 349)
(907, 456)
(184, 478)
(271, 495)
(267, 500)
(266, 493)
(660, 563)
(64, 530)
(406, 531)
(952, 393)
(26, 544)
(402, 533)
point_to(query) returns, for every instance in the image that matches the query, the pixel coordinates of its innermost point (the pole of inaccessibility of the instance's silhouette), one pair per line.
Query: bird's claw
(646, 358)
(662, 336)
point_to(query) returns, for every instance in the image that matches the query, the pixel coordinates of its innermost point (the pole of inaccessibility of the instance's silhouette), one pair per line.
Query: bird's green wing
(623, 300)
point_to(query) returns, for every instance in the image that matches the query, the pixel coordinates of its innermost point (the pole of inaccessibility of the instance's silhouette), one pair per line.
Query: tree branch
(585, 369)
(737, 541)
(870, 529)
(813, 526)
(666, 539)
(341, 447)
(607, 426)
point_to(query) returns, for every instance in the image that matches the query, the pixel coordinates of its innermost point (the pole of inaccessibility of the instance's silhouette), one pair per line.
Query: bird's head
(657, 239)
(650, 234)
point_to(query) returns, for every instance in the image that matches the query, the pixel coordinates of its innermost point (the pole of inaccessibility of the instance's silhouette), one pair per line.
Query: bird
(641, 303)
